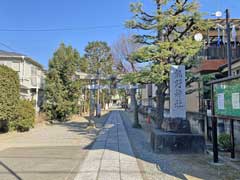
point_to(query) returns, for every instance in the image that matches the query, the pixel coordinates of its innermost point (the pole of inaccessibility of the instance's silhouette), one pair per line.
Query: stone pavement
(111, 156)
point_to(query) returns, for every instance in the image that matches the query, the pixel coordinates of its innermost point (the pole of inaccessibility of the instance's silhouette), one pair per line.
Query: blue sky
(80, 14)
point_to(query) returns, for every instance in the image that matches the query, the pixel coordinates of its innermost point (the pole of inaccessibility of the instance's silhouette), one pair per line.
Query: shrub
(25, 116)
(9, 95)
(224, 141)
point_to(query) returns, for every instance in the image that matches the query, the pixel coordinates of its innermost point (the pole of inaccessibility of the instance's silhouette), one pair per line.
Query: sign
(227, 98)
(177, 92)
(220, 100)
(235, 101)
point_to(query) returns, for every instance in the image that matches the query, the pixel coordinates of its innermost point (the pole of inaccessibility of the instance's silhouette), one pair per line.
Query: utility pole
(229, 57)
(229, 50)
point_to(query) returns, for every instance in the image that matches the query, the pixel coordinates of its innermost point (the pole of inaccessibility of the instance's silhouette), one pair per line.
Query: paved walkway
(111, 156)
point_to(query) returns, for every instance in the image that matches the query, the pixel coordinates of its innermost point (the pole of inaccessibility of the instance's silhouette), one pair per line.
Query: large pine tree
(167, 36)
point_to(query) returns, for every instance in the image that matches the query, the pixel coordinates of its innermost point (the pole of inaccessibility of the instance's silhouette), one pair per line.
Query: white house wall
(31, 77)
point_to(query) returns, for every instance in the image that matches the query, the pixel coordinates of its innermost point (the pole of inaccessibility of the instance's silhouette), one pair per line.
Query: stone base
(169, 142)
(176, 125)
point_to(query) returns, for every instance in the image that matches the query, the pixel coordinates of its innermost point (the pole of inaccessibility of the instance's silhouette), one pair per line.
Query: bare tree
(122, 50)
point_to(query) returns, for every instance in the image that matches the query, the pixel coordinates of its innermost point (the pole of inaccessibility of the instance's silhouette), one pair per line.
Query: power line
(7, 46)
(60, 29)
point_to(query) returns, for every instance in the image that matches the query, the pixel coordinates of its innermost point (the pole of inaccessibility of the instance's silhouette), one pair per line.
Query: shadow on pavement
(184, 167)
(10, 171)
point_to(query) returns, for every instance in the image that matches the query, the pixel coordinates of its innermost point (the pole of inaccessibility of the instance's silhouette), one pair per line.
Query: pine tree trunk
(160, 98)
(135, 110)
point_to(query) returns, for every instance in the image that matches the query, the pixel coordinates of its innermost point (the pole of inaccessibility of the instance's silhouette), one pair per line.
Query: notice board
(227, 98)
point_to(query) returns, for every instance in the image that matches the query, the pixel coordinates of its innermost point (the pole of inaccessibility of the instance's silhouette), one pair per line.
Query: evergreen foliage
(62, 89)
(99, 58)
(9, 95)
(25, 116)
(167, 36)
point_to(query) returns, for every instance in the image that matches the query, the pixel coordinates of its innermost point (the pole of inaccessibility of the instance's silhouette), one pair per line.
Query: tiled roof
(226, 65)
(211, 65)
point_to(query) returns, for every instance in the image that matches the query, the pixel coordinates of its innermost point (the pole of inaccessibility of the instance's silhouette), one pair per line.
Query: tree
(9, 95)
(83, 65)
(62, 89)
(100, 62)
(167, 38)
(122, 50)
(99, 58)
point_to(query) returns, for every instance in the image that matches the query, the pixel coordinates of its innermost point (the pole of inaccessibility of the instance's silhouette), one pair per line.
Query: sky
(80, 21)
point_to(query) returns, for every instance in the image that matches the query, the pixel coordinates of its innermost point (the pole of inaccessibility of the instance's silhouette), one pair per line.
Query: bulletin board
(227, 98)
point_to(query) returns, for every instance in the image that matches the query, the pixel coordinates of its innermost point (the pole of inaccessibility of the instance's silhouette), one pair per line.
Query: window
(238, 71)
(33, 71)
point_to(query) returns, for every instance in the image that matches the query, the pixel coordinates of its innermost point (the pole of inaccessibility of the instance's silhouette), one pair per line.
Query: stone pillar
(177, 121)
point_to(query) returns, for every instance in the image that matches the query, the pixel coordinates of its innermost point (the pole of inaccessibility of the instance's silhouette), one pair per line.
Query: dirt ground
(48, 151)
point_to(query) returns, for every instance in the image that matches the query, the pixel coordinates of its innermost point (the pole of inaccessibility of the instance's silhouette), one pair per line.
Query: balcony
(214, 52)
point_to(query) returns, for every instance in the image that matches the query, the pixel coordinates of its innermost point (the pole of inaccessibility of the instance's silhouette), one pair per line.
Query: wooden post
(214, 138)
(232, 138)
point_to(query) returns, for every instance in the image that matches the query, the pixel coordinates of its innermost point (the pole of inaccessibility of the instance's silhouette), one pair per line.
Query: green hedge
(9, 95)
(15, 114)
(224, 141)
(25, 116)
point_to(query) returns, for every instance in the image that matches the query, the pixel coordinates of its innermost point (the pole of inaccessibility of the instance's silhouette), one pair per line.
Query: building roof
(226, 64)
(211, 65)
(6, 54)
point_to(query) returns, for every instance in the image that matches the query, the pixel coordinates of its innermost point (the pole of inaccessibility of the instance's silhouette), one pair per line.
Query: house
(31, 75)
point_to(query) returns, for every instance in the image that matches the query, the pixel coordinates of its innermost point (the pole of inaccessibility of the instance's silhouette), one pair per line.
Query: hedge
(25, 116)
(15, 113)
(9, 95)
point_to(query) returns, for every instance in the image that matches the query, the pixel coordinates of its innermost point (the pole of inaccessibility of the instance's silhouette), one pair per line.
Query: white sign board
(235, 101)
(220, 101)
(177, 92)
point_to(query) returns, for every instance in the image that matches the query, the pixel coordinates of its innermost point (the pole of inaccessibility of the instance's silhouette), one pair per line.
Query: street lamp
(198, 37)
